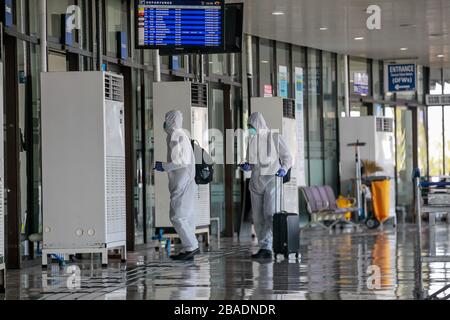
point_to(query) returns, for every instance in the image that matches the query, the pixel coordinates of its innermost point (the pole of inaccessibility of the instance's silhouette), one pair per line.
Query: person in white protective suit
(268, 157)
(180, 167)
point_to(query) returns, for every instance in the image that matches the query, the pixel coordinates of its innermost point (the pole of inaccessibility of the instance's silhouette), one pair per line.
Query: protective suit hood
(256, 120)
(174, 120)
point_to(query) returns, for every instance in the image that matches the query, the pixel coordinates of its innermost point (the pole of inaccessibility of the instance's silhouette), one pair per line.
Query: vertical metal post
(186, 67)
(249, 58)
(99, 33)
(418, 251)
(43, 34)
(232, 65)
(157, 66)
(358, 178)
(347, 86)
(202, 68)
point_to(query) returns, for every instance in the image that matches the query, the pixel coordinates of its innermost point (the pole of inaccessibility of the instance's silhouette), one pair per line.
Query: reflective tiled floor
(332, 267)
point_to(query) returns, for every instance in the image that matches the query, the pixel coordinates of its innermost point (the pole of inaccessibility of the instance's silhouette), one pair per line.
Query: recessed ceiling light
(264, 61)
(403, 49)
(358, 38)
(440, 56)
(278, 13)
(323, 29)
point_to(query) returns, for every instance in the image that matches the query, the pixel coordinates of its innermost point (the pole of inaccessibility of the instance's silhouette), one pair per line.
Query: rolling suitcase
(286, 228)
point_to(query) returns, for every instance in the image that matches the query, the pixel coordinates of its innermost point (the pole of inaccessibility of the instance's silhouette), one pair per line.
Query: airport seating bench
(322, 207)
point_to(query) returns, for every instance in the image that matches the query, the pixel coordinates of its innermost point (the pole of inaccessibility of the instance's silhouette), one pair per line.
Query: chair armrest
(324, 205)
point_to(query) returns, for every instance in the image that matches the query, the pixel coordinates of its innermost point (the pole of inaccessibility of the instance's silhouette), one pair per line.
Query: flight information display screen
(180, 25)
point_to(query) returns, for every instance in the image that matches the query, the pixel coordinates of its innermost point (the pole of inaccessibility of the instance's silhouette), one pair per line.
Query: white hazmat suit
(180, 168)
(267, 153)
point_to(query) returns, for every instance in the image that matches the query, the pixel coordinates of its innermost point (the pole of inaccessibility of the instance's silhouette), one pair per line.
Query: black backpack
(204, 166)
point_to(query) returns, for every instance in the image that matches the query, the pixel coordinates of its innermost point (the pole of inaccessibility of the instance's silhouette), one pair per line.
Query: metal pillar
(99, 36)
(157, 66)
(43, 34)
(347, 86)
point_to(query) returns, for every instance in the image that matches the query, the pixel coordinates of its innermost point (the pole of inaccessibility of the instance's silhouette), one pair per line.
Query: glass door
(224, 114)
(404, 156)
(216, 141)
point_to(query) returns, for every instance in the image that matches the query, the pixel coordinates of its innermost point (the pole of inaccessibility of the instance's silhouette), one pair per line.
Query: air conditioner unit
(83, 163)
(2, 188)
(192, 100)
(280, 114)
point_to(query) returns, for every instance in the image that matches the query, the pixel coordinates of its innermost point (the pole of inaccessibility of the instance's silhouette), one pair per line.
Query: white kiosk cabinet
(2, 188)
(83, 163)
(192, 100)
(279, 114)
(378, 134)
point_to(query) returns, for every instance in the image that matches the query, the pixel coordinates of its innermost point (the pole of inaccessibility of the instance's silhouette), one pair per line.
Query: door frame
(12, 155)
(229, 169)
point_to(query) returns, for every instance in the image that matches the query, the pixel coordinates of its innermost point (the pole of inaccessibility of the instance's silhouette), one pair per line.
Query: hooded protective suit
(267, 153)
(180, 167)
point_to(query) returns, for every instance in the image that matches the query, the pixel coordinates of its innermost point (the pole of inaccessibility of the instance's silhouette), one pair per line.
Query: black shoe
(185, 256)
(176, 256)
(262, 254)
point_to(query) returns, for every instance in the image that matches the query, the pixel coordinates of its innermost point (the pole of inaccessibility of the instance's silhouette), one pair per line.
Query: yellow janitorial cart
(380, 188)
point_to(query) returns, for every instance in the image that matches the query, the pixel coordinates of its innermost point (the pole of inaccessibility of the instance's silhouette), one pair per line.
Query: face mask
(252, 131)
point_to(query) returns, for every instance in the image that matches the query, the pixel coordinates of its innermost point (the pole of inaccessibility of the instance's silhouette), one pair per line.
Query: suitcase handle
(279, 179)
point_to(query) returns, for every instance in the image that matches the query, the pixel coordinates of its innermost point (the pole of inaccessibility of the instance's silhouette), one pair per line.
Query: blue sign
(123, 52)
(283, 82)
(401, 77)
(8, 13)
(68, 36)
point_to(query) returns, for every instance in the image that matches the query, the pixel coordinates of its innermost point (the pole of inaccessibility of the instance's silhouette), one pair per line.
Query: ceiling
(421, 26)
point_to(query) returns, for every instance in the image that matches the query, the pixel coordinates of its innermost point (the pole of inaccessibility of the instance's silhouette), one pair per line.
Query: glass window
(266, 63)
(376, 79)
(404, 150)
(116, 20)
(55, 8)
(341, 85)
(359, 76)
(299, 61)
(236, 71)
(435, 146)
(330, 120)
(255, 66)
(435, 81)
(138, 179)
(447, 139)
(446, 89)
(34, 18)
(135, 53)
(21, 20)
(314, 119)
(420, 85)
(283, 70)
(218, 64)
(422, 141)
(149, 155)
